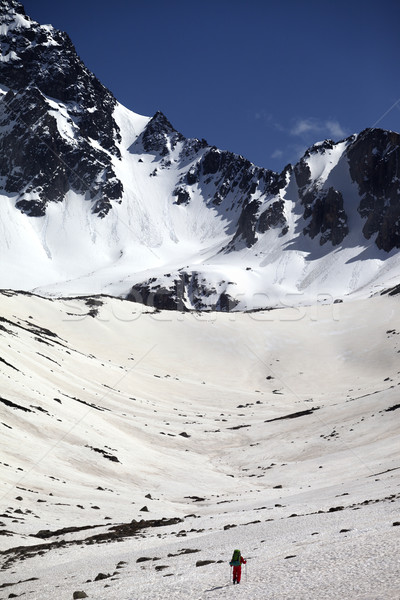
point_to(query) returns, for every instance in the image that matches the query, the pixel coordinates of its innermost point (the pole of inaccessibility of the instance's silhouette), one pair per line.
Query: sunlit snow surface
(311, 500)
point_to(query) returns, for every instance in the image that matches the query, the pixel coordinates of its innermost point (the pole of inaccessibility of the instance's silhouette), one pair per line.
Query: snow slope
(276, 432)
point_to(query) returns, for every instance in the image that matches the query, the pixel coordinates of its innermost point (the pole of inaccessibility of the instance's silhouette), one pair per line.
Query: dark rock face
(161, 297)
(246, 228)
(159, 136)
(226, 180)
(273, 217)
(234, 185)
(328, 217)
(374, 161)
(211, 162)
(302, 174)
(182, 195)
(38, 160)
(323, 207)
(46, 59)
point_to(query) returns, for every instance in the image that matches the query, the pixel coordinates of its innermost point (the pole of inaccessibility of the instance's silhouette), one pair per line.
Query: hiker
(237, 562)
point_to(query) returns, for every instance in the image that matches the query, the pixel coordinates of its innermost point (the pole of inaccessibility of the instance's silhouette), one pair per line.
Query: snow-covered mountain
(141, 446)
(97, 199)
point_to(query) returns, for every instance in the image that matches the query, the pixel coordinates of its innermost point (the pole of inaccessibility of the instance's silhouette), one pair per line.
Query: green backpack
(235, 562)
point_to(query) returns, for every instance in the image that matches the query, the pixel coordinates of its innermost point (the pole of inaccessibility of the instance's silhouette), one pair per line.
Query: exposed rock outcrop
(374, 161)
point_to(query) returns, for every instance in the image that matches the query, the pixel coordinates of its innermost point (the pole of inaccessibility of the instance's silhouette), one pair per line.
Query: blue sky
(262, 78)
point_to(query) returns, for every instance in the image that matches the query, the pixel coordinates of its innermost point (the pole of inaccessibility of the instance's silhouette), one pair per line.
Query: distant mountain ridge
(96, 199)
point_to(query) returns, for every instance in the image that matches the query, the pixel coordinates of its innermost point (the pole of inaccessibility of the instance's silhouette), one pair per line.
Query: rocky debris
(392, 408)
(143, 559)
(295, 415)
(5, 585)
(392, 291)
(121, 564)
(13, 405)
(104, 453)
(113, 534)
(94, 304)
(5, 362)
(203, 563)
(101, 576)
(195, 498)
(45, 534)
(79, 594)
(185, 291)
(184, 551)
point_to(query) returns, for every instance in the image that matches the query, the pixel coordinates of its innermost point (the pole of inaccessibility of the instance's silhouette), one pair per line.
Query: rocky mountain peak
(9, 9)
(54, 108)
(160, 137)
(319, 148)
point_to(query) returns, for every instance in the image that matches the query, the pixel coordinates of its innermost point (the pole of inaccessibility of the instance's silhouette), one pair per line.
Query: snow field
(115, 379)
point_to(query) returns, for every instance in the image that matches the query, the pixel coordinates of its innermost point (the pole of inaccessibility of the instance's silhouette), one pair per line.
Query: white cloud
(335, 129)
(277, 154)
(305, 126)
(325, 128)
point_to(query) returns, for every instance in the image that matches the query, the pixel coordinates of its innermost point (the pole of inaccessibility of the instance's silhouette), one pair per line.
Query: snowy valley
(154, 440)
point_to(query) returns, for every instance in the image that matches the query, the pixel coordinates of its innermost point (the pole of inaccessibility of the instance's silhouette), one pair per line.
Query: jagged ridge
(41, 158)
